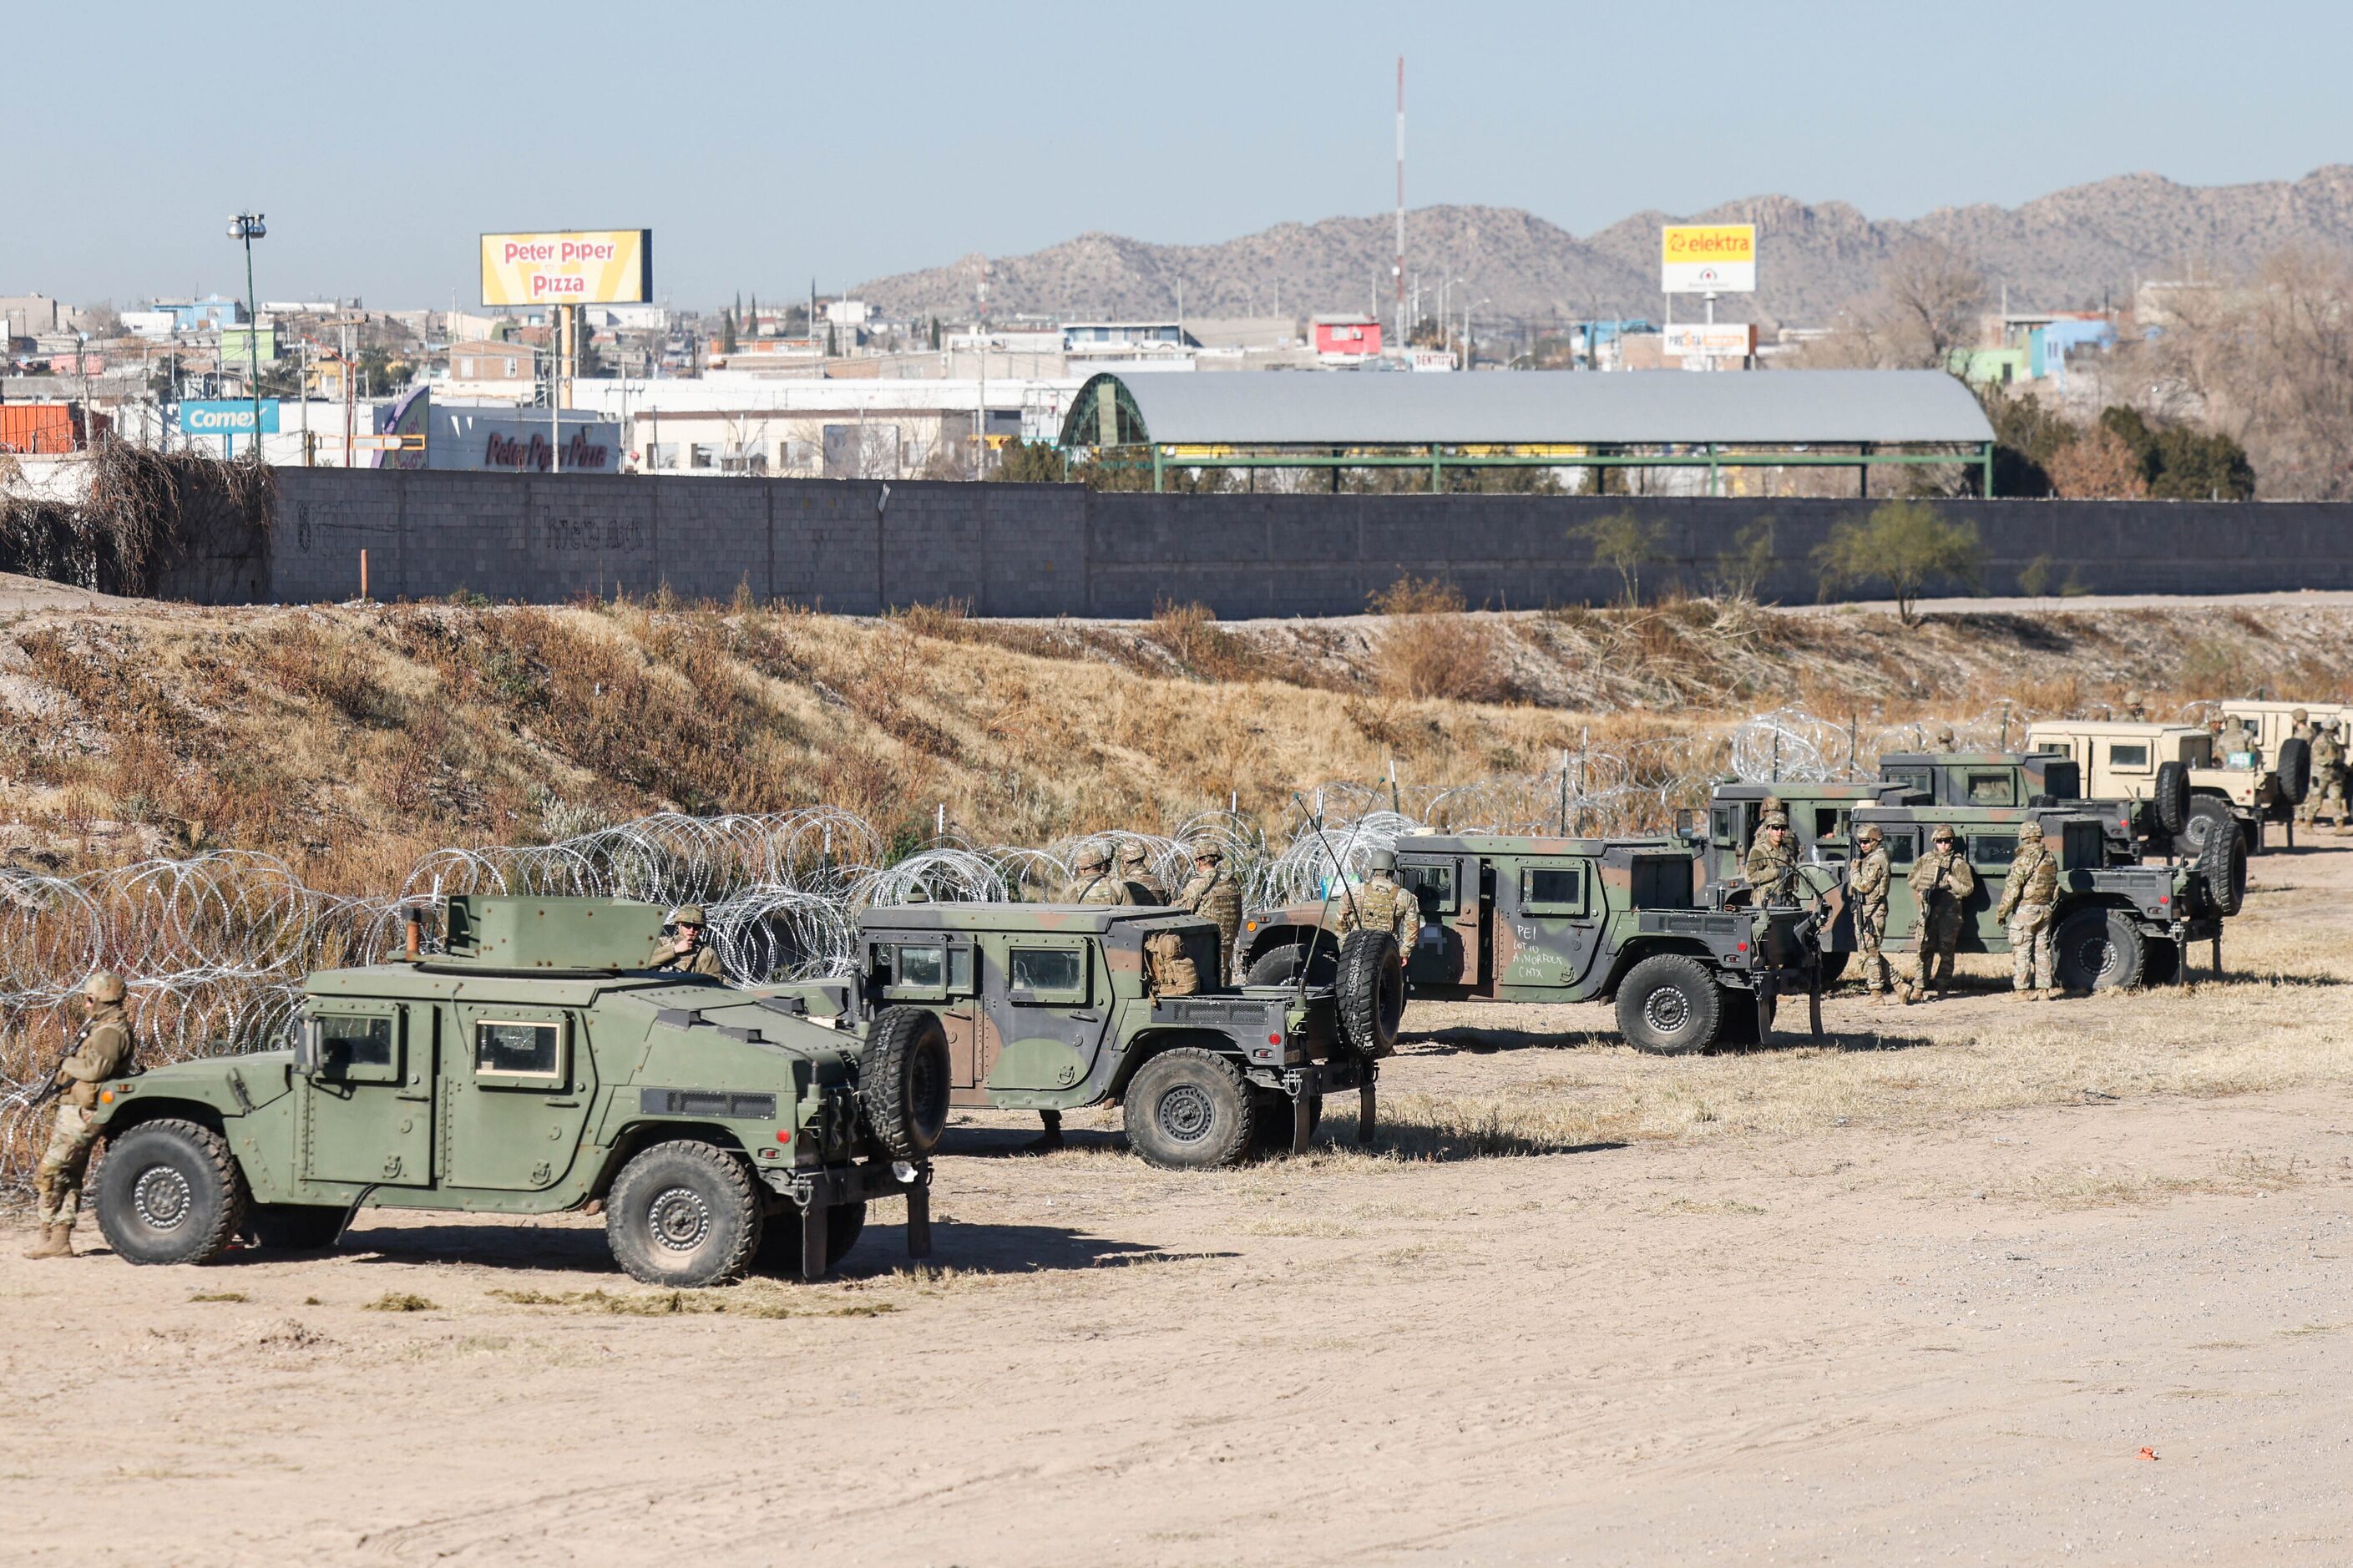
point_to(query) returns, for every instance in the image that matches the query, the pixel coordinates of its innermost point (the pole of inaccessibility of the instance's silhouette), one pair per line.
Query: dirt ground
(1979, 1281)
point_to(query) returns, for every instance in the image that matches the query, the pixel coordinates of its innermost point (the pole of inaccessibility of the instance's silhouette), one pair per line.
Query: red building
(1346, 338)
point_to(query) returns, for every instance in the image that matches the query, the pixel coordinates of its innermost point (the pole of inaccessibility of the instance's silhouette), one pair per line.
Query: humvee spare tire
(2222, 861)
(2173, 797)
(902, 1081)
(1279, 965)
(2209, 817)
(1670, 1005)
(2294, 769)
(1371, 987)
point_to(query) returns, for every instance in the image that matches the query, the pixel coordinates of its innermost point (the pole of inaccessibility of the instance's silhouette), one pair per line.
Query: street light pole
(249, 227)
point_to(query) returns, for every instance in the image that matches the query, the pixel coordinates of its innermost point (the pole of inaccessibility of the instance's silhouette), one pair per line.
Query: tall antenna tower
(1398, 268)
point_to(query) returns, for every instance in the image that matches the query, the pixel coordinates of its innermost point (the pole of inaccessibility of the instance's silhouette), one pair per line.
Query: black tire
(296, 1227)
(2207, 818)
(170, 1192)
(1189, 1110)
(1670, 1005)
(1371, 986)
(1270, 1120)
(2098, 949)
(902, 1081)
(780, 1239)
(2173, 797)
(1279, 965)
(2294, 769)
(2223, 863)
(684, 1215)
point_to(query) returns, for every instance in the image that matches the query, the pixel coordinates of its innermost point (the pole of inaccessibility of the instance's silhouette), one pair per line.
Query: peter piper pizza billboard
(592, 267)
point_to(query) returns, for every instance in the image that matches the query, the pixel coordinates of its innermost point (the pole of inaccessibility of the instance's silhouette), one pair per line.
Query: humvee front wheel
(2098, 949)
(684, 1215)
(1670, 1005)
(1187, 1110)
(1371, 986)
(170, 1192)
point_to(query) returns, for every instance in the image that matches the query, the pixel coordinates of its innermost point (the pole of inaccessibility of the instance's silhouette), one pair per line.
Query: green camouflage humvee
(1056, 1007)
(533, 1066)
(1511, 918)
(2119, 923)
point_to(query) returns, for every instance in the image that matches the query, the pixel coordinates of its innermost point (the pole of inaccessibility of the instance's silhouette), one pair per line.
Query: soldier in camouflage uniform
(2325, 793)
(687, 953)
(2300, 724)
(1866, 890)
(1772, 865)
(1135, 867)
(101, 1050)
(1943, 880)
(1214, 896)
(2134, 709)
(1093, 883)
(1379, 904)
(2027, 895)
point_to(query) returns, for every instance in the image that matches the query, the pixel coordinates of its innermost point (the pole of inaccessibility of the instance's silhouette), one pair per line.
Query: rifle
(56, 1084)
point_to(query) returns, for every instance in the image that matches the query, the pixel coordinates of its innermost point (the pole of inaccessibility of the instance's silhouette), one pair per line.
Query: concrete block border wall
(860, 547)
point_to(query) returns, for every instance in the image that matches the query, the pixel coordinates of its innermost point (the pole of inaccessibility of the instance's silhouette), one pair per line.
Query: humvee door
(1048, 998)
(1549, 911)
(520, 1081)
(367, 1102)
(939, 970)
(1990, 850)
(1450, 951)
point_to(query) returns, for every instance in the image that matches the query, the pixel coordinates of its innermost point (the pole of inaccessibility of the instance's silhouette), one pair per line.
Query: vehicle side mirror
(1688, 826)
(309, 1046)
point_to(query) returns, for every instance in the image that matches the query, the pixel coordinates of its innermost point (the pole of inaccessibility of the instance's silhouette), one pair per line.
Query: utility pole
(1397, 270)
(249, 227)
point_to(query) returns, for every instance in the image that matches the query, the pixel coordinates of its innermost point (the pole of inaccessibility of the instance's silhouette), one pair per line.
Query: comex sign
(587, 266)
(226, 417)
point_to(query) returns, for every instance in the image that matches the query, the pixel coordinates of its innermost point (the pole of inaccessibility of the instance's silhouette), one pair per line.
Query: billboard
(227, 416)
(1709, 258)
(587, 266)
(1715, 340)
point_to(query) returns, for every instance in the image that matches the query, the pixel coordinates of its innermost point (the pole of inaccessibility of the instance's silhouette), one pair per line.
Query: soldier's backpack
(1172, 972)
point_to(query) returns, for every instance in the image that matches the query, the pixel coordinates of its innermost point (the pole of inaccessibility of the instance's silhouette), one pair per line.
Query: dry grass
(350, 739)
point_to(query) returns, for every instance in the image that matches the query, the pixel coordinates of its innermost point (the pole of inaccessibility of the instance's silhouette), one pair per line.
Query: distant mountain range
(2063, 251)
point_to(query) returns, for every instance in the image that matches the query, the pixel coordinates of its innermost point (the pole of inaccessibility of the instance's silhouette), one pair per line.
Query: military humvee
(2119, 923)
(2190, 791)
(533, 1066)
(1511, 918)
(1048, 1007)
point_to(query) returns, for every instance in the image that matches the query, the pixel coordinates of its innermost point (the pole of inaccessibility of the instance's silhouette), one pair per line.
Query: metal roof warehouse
(1848, 418)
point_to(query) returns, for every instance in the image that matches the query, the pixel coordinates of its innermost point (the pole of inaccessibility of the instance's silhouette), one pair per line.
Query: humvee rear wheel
(1371, 986)
(296, 1227)
(683, 1215)
(1670, 1005)
(902, 1081)
(1189, 1109)
(2099, 950)
(170, 1192)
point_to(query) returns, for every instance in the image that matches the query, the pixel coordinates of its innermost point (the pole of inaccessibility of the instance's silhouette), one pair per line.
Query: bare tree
(1924, 306)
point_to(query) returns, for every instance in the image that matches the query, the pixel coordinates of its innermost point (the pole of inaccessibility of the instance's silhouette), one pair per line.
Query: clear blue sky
(766, 144)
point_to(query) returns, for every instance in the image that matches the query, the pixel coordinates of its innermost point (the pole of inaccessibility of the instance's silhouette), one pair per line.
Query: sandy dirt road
(1842, 1303)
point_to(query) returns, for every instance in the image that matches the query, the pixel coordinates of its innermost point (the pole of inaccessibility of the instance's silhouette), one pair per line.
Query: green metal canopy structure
(1552, 419)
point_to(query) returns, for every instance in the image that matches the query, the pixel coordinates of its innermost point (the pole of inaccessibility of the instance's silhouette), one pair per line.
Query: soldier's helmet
(1774, 819)
(1095, 858)
(1945, 739)
(1133, 855)
(105, 986)
(1943, 834)
(1869, 834)
(2299, 716)
(690, 915)
(1773, 806)
(2030, 830)
(1384, 862)
(1211, 853)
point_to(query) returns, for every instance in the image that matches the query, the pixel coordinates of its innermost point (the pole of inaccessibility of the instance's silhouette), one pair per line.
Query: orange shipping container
(39, 427)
